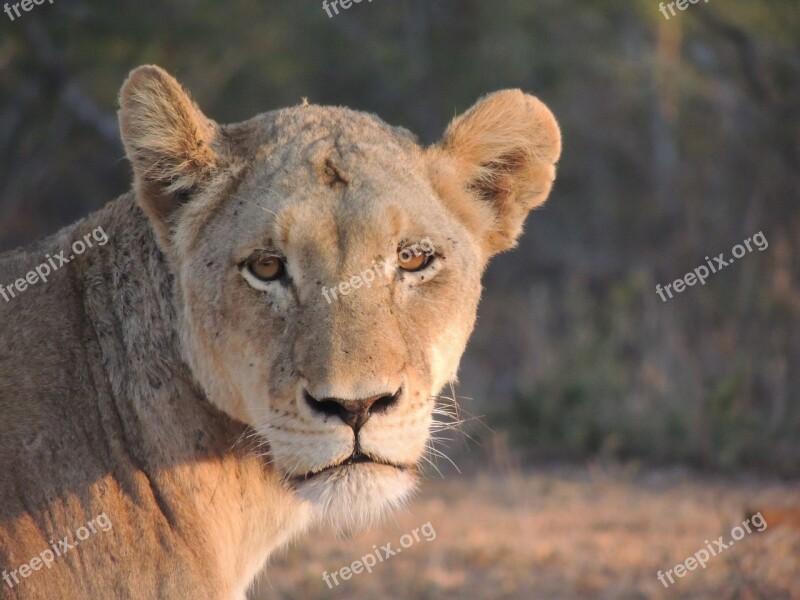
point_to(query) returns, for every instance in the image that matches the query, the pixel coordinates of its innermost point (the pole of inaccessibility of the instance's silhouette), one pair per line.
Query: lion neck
(206, 482)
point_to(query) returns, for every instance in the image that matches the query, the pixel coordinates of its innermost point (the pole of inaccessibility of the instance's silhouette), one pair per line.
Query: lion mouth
(356, 458)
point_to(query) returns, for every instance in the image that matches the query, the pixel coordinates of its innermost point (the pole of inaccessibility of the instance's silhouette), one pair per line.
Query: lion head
(327, 268)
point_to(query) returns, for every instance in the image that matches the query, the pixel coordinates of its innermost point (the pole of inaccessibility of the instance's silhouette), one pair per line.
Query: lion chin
(354, 497)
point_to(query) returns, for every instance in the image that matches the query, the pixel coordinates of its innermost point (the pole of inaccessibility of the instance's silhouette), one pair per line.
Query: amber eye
(413, 261)
(266, 267)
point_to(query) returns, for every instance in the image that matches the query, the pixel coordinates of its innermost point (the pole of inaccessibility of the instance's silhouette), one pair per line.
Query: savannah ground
(560, 532)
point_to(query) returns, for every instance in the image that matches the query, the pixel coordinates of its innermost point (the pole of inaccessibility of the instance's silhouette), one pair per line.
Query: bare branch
(71, 95)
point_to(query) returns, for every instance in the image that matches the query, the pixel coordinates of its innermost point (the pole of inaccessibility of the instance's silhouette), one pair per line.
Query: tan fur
(155, 381)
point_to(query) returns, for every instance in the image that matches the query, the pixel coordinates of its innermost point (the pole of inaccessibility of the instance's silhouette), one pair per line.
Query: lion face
(305, 321)
(328, 269)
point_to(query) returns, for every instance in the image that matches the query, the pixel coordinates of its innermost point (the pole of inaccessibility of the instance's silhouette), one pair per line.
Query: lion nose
(353, 412)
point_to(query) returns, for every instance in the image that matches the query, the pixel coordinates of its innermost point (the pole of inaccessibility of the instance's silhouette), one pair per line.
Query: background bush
(681, 139)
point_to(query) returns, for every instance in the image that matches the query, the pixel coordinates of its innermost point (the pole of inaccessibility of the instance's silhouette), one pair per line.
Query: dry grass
(591, 533)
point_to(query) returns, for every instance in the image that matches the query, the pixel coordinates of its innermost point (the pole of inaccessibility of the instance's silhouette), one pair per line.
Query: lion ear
(502, 152)
(167, 139)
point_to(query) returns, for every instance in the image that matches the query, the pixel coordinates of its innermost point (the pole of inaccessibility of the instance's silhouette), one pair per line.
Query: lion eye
(413, 261)
(266, 267)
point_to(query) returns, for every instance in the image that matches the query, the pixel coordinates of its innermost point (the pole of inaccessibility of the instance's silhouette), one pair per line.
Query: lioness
(189, 384)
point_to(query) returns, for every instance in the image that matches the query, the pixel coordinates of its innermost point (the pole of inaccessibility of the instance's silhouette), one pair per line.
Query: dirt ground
(559, 533)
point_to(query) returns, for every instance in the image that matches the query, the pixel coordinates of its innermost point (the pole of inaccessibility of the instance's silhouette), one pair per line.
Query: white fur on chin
(355, 497)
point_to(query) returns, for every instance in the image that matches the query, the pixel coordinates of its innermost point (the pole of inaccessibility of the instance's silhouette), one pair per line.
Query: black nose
(353, 412)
